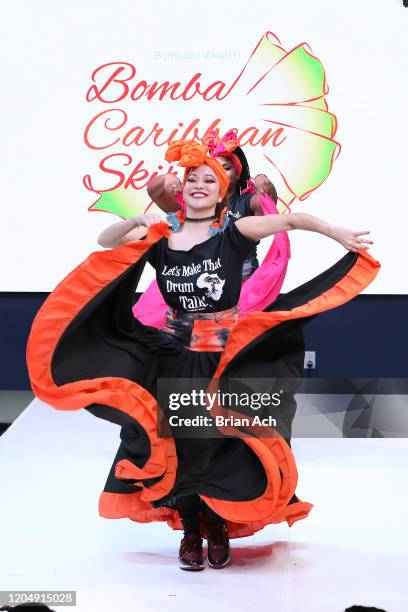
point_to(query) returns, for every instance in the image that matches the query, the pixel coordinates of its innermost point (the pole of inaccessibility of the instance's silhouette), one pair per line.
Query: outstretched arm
(127, 231)
(256, 228)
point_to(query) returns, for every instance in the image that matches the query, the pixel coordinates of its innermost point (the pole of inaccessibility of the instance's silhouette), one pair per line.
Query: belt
(201, 331)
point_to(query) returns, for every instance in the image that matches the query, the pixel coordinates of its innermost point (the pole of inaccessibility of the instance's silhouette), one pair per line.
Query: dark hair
(364, 609)
(245, 174)
(220, 205)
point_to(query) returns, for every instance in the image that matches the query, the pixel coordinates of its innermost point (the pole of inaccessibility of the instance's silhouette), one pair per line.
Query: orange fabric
(190, 154)
(207, 333)
(65, 303)
(267, 444)
(208, 329)
(116, 505)
(247, 329)
(253, 324)
(228, 143)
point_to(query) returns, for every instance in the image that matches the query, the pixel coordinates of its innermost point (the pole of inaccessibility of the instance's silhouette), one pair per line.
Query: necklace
(200, 219)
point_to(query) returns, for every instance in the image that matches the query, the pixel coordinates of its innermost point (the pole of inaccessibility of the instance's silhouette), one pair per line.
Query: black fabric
(288, 333)
(191, 509)
(105, 339)
(240, 206)
(280, 350)
(315, 287)
(207, 277)
(209, 464)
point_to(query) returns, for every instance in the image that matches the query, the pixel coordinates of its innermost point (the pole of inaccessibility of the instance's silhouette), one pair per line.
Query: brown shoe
(191, 553)
(219, 553)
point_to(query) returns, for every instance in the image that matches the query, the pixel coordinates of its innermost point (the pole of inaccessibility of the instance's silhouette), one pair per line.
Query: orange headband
(191, 154)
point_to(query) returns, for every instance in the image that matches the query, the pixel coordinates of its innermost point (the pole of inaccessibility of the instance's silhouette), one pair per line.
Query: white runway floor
(351, 549)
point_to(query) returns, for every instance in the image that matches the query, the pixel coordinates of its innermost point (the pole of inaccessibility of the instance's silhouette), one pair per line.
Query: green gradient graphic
(124, 203)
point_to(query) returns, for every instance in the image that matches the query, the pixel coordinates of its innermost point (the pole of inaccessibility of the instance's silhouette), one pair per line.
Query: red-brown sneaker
(219, 553)
(191, 553)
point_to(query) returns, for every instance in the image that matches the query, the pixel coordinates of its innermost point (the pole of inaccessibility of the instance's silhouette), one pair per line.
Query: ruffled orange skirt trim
(125, 401)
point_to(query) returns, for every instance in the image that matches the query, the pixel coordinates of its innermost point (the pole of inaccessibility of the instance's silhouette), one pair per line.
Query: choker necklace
(200, 219)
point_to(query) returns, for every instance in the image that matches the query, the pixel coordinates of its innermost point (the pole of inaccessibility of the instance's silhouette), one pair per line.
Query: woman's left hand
(351, 240)
(263, 184)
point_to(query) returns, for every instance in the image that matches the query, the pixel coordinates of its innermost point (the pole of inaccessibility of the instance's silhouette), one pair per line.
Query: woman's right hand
(147, 220)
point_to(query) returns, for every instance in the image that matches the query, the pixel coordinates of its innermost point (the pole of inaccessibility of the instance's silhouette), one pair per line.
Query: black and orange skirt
(86, 350)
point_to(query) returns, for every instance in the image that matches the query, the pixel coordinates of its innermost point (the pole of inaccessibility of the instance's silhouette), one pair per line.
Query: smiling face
(230, 170)
(201, 191)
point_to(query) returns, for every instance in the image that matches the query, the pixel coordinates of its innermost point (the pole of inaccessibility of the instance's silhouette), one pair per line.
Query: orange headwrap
(191, 154)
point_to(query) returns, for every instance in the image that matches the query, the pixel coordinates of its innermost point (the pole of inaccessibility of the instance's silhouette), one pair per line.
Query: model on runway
(87, 350)
(245, 198)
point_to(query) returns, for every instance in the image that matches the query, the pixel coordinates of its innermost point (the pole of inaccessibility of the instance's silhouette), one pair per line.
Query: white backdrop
(50, 50)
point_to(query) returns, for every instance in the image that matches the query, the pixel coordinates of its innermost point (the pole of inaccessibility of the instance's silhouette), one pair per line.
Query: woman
(86, 350)
(245, 198)
(243, 194)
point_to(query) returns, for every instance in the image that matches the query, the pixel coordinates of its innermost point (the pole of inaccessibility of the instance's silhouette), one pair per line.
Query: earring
(221, 224)
(176, 219)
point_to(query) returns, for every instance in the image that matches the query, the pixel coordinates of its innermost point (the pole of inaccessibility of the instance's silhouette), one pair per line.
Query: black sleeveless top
(207, 277)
